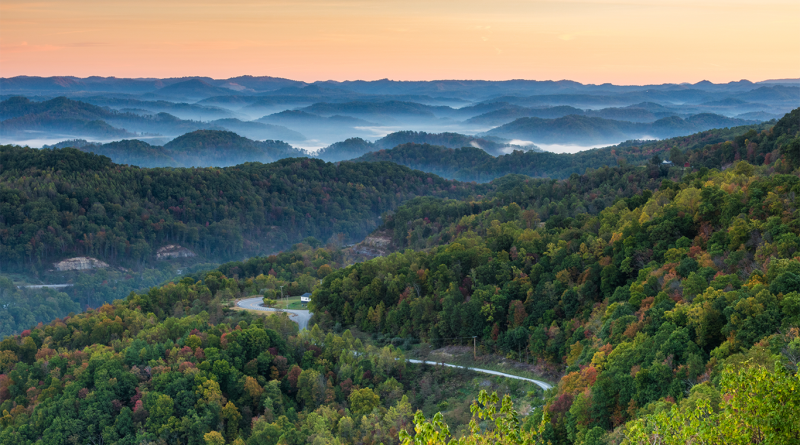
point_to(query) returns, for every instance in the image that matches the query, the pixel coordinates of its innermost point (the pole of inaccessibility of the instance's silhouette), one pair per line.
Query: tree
(311, 388)
(214, 438)
(231, 416)
(160, 412)
(363, 401)
(676, 156)
(759, 407)
(792, 151)
(506, 428)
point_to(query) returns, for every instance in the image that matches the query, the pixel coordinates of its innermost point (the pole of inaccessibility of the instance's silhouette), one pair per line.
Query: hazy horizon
(634, 42)
(390, 79)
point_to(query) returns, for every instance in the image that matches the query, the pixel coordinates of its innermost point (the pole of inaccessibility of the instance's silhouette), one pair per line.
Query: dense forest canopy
(61, 203)
(664, 299)
(630, 301)
(174, 365)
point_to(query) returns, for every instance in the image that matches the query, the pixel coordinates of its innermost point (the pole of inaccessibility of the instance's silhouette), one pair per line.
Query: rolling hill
(470, 164)
(64, 117)
(195, 89)
(200, 148)
(587, 130)
(220, 213)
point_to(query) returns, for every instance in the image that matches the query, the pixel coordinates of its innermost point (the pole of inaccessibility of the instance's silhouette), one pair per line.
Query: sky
(590, 41)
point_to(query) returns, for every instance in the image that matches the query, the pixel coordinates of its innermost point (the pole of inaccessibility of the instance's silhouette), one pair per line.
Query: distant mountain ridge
(224, 148)
(67, 117)
(419, 150)
(355, 147)
(563, 92)
(20, 116)
(588, 130)
(181, 110)
(327, 114)
(511, 112)
(193, 88)
(200, 148)
(470, 164)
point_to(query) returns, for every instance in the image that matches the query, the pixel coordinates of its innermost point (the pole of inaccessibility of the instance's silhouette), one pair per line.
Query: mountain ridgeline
(21, 117)
(450, 155)
(41, 111)
(473, 164)
(220, 148)
(200, 148)
(589, 130)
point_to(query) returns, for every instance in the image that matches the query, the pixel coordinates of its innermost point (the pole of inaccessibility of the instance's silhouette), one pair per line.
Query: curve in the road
(255, 304)
(302, 318)
(539, 383)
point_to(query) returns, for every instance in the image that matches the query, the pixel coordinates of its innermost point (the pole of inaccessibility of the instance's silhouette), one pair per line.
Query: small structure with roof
(305, 298)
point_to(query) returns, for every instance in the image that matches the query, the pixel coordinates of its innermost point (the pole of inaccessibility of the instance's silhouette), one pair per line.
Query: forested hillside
(174, 365)
(631, 301)
(581, 129)
(665, 299)
(354, 148)
(61, 203)
(470, 164)
(450, 140)
(200, 148)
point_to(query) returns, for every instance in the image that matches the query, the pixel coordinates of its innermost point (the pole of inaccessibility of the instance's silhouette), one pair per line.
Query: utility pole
(287, 306)
(474, 348)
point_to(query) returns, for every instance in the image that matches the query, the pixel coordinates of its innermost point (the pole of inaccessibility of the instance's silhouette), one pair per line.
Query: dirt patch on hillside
(375, 245)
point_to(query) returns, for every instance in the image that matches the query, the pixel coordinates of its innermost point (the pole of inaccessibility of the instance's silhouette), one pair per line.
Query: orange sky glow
(590, 41)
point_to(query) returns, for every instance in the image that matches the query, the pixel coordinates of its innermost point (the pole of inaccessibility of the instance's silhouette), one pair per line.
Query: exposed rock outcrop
(173, 251)
(375, 245)
(80, 263)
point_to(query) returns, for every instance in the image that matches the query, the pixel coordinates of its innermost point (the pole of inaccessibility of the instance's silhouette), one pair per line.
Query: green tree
(231, 417)
(760, 407)
(214, 438)
(311, 388)
(363, 401)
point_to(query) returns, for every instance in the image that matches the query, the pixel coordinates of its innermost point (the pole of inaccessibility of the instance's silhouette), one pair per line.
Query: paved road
(541, 384)
(44, 286)
(300, 316)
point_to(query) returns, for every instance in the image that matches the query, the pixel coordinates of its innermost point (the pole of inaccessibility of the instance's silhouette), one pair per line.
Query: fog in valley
(264, 119)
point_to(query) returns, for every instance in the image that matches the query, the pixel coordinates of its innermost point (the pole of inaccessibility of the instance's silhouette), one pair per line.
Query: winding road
(44, 286)
(302, 317)
(255, 304)
(539, 383)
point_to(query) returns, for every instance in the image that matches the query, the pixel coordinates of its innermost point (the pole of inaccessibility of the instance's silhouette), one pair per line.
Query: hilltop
(470, 164)
(587, 130)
